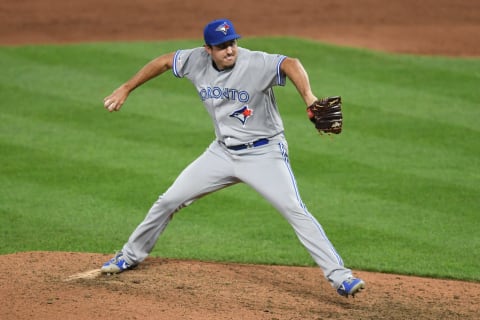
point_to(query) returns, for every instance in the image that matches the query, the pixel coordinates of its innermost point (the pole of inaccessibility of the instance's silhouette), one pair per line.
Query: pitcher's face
(224, 55)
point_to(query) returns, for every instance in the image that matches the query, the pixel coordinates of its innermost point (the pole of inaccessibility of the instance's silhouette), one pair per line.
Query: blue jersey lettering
(223, 93)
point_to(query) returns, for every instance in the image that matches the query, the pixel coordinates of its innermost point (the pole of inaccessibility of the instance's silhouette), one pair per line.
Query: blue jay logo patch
(242, 114)
(223, 28)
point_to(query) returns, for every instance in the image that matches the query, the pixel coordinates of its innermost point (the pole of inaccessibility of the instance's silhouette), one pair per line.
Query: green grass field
(397, 191)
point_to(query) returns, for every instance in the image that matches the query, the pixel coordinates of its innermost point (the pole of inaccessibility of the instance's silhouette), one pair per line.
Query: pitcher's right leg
(208, 173)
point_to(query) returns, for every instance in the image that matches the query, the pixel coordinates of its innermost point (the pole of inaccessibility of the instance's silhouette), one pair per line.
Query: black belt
(257, 143)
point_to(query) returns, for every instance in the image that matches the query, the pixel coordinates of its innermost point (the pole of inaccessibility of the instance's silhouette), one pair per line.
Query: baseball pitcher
(236, 87)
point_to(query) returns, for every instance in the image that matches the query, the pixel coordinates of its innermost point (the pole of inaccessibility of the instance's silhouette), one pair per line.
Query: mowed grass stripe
(397, 186)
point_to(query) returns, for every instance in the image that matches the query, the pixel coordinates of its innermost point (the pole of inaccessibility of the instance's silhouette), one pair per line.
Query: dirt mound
(56, 285)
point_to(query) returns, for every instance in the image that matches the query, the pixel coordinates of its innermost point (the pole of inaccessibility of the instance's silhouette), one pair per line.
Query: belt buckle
(250, 145)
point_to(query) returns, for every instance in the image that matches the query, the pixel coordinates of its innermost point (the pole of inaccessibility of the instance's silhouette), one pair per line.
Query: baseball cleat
(351, 286)
(117, 264)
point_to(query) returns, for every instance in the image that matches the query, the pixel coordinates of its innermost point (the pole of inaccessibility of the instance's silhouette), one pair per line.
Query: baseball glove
(326, 114)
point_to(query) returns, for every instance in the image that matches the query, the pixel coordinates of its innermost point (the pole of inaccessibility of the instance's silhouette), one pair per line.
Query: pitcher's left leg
(272, 176)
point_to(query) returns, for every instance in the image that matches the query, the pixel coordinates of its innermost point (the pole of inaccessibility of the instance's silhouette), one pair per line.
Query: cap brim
(225, 39)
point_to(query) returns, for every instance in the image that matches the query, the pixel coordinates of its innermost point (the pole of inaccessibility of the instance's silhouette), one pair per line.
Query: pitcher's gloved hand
(326, 114)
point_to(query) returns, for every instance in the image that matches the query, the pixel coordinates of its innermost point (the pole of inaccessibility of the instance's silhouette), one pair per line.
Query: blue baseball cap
(219, 31)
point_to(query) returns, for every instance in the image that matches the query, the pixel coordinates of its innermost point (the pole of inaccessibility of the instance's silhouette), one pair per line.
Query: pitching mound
(54, 285)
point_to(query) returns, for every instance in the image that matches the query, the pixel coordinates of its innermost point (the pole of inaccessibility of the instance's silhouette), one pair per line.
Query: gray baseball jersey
(250, 147)
(240, 102)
